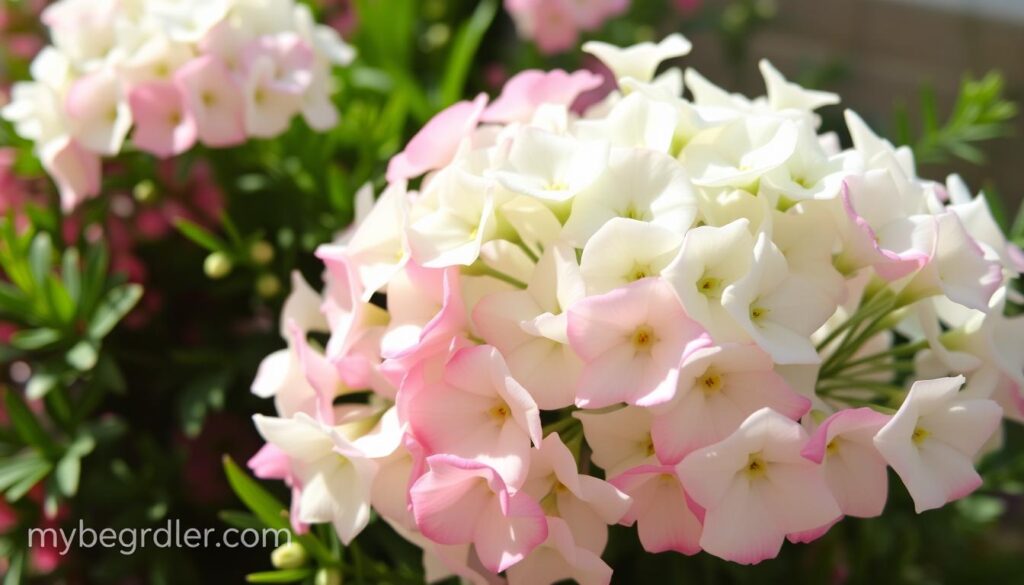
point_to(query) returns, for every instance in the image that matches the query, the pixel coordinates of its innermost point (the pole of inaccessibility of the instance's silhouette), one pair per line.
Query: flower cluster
(693, 315)
(555, 25)
(178, 72)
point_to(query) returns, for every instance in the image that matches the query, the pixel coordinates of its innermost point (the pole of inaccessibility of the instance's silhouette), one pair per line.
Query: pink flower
(214, 99)
(665, 516)
(757, 488)
(855, 471)
(620, 439)
(632, 340)
(560, 559)
(163, 126)
(460, 501)
(475, 410)
(586, 504)
(75, 170)
(719, 387)
(555, 24)
(527, 90)
(436, 143)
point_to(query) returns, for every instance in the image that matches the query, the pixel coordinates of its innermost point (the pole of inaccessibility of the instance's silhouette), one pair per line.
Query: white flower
(932, 440)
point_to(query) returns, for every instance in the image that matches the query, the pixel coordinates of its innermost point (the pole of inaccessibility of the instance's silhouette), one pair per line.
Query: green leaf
(34, 339)
(14, 470)
(200, 235)
(13, 301)
(71, 274)
(270, 511)
(40, 258)
(1017, 229)
(115, 305)
(70, 465)
(240, 520)
(283, 576)
(266, 507)
(25, 423)
(15, 569)
(467, 41)
(83, 355)
(94, 280)
(42, 381)
(18, 490)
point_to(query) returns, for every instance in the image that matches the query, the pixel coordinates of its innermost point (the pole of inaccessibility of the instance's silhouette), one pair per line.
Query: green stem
(896, 352)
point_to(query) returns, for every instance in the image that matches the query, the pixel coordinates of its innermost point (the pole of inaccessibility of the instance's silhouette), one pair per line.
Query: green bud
(144, 192)
(217, 265)
(289, 556)
(327, 577)
(268, 286)
(261, 252)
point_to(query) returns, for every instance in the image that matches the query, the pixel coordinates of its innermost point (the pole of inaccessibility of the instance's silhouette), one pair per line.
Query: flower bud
(145, 192)
(261, 252)
(290, 555)
(327, 577)
(217, 265)
(268, 286)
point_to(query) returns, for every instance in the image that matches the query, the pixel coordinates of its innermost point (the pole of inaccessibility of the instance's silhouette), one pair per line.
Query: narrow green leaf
(25, 423)
(13, 301)
(270, 511)
(283, 576)
(94, 280)
(61, 303)
(40, 258)
(200, 235)
(115, 305)
(15, 492)
(464, 48)
(71, 273)
(15, 469)
(241, 520)
(266, 507)
(1017, 230)
(69, 467)
(33, 339)
(15, 569)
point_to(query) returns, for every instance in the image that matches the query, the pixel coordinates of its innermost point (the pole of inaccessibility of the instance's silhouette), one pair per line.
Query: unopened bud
(144, 192)
(217, 265)
(328, 577)
(261, 252)
(268, 286)
(289, 556)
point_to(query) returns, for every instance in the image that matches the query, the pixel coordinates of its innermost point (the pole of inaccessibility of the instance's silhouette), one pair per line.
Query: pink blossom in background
(555, 25)
(687, 7)
(195, 72)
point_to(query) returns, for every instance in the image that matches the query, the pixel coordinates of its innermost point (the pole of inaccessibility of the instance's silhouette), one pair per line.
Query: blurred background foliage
(130, 331)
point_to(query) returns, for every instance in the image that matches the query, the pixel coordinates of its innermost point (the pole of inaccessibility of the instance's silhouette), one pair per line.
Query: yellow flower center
(639, 271)
(709, 286)
(833, 447)
(756, 466)
(710, 382)
(758, 313)
(644, 338)
(500, 412)
(919, 436)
